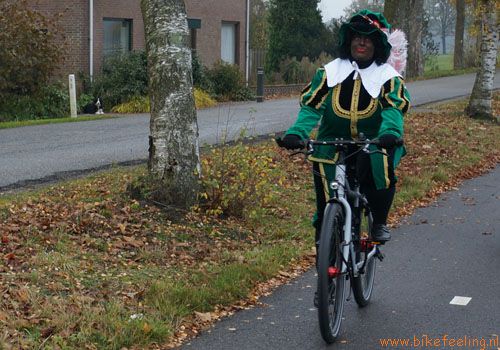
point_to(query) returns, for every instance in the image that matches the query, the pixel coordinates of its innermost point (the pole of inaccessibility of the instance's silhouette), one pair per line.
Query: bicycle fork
(338, 186)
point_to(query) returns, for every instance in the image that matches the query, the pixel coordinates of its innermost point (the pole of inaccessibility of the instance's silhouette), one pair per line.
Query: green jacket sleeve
(312, 105)
(395, 101)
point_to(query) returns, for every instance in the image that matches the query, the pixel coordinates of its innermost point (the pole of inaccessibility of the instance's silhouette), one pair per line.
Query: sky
(333, 8)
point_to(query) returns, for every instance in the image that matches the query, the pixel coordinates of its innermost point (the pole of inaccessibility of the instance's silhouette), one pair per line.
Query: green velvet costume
(347, 99)
(346, 110)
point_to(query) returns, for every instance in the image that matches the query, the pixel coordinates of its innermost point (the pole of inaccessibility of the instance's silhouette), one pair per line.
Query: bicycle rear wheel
(331, 282)
(362, 285)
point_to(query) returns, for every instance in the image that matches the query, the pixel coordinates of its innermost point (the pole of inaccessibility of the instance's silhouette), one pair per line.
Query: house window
(194, 25)
(228, 42)
(117, 35)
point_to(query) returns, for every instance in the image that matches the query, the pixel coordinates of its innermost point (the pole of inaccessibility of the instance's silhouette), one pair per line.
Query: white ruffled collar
(372, 77)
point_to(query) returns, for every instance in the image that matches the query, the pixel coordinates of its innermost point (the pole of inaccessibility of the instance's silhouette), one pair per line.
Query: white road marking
(463, 301)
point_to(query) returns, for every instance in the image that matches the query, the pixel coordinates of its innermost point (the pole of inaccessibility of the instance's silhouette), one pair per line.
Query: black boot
(380, 203)
(380, 233)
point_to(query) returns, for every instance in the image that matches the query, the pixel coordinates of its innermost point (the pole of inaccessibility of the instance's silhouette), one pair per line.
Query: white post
(72, 95)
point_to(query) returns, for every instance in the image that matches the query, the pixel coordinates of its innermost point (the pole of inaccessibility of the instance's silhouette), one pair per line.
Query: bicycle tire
(362, 285)
(331, 291)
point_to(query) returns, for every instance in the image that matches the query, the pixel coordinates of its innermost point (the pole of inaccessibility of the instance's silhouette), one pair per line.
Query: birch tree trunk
(481, 98)
(174, 162)
(407, 15)
(458, 54)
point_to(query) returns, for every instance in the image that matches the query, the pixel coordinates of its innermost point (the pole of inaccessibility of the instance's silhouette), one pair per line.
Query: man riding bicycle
(356, 93)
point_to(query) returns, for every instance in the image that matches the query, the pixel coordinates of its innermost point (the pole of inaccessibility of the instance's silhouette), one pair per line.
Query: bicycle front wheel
(362, 285)
(331, 281)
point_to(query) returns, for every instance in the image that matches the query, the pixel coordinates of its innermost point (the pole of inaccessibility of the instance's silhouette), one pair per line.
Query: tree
(474, 31)
(31, 48)
(442, 18)
(174, 163)
(407, 16)
(295, 30)
(259, 27)
(358, 5)
(458, 54)
(481, 98)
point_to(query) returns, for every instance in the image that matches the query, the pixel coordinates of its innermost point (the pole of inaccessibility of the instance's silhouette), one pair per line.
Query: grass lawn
(17, 124)
(442, 66)
(86, 266)
(440, 62)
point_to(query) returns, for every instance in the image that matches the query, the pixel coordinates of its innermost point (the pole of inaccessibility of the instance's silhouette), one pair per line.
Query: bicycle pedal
(380, 256)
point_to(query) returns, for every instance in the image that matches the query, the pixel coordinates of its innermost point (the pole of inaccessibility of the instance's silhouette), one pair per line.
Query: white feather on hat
(399, 51)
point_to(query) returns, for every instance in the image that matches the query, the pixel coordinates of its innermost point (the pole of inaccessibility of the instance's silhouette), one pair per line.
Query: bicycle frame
(339, 186)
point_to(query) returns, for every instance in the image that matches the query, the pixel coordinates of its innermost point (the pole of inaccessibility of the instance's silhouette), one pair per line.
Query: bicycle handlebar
(339, 142)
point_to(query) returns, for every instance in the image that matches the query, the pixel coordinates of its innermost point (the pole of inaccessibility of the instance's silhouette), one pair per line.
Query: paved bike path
(451, 248)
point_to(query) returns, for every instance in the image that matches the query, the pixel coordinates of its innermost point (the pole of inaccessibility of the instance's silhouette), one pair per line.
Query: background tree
(174, 163)
(295, 30)
(259, 24)
(441, 19)
(407, 16)
(357, 5)
(473, 33)
(458, 53)
(481, 98)
(332, 40)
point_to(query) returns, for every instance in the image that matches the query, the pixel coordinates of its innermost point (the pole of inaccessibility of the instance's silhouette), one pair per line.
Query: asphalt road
(51, 152)
(449, 249)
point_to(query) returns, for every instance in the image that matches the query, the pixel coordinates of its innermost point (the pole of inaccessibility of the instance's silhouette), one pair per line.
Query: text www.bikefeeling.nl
(425, 341)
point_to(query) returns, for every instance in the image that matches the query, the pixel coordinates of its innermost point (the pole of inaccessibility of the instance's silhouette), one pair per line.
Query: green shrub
(227, 82)
(124, 75)
(138, 104)
(30, 48)
(83, 101)
(237, 178)
(297, 72)
(55, 99)
(244, 94)
(51, 101)
(141, 104)
(290, 70)
(200, 78)
(202, 99)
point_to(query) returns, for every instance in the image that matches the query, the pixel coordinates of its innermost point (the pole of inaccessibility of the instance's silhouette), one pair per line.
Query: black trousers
(380, 200)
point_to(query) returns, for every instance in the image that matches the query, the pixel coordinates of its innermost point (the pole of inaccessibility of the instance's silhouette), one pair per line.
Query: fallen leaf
(203, 316)
(9, 256)
(133, 242)
(122, 228)
(146, 328)
(285, 274)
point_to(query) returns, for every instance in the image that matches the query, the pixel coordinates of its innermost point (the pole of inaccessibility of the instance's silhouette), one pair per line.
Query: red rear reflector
(366, 245)
(333, 272)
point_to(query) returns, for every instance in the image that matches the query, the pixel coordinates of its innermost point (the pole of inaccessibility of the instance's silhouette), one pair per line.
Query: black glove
(387, 141)
(292, 141)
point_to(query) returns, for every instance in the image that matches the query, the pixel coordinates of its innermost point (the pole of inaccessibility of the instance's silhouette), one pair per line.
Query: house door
(228, 43)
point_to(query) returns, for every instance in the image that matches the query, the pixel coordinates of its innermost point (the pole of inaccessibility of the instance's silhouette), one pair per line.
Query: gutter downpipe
(91, 39)
(247, 48)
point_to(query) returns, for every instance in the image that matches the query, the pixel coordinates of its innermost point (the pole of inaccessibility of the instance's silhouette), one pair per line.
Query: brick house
(95, 28)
